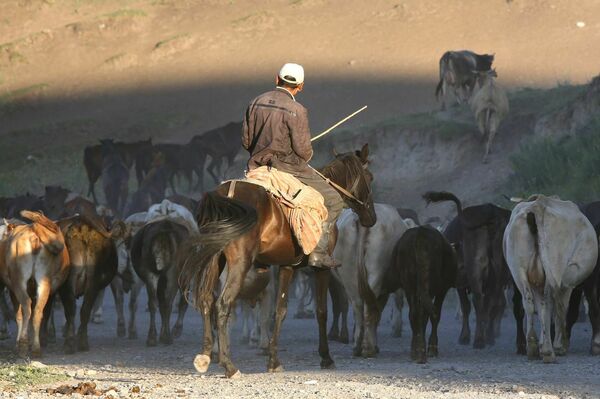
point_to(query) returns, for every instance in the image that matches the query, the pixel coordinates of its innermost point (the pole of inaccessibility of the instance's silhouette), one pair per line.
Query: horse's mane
(344, 170)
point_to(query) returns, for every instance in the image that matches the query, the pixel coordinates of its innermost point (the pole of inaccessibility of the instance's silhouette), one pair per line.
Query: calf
(423, 264)
(153, 256)
(490, 106)
(550, 248)
(458, 69)
(477, 236)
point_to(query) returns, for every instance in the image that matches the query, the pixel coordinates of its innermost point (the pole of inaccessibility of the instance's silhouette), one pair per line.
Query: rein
(340, 188)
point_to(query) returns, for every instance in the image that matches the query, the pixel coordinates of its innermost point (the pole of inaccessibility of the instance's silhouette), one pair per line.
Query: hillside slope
(73, 71)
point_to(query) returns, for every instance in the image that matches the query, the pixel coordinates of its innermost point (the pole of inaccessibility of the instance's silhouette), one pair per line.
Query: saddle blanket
(302, 205)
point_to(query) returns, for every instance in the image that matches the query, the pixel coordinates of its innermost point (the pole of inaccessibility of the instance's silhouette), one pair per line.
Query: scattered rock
(37, 365)
(580, 24)
(311, 382)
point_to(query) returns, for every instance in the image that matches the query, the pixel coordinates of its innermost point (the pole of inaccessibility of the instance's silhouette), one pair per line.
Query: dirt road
(459, 372)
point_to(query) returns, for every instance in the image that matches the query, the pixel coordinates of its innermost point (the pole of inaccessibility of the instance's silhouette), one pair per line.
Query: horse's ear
(364, 153)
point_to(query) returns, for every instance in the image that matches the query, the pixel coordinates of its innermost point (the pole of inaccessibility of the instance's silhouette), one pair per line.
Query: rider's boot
(320, 256)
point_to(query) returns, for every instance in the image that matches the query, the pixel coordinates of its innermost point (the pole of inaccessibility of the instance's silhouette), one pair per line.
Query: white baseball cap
(292, 73)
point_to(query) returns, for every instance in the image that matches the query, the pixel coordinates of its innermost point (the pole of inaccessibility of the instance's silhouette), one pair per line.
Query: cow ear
(364, 153)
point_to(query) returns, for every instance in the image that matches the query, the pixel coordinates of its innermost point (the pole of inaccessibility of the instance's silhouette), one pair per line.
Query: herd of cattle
(63, 245)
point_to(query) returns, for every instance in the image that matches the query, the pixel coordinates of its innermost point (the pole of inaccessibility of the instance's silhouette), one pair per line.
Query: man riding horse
(276, 134)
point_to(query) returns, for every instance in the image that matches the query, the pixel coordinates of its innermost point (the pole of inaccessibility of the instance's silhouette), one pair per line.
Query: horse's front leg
(285, 277)
(322, 284)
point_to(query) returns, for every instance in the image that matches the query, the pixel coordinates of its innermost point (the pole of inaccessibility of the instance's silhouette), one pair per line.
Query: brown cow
(93, 257)
(33, 255)
(458, 70)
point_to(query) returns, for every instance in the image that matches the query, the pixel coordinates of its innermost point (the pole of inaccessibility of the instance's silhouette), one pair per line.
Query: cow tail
(364, 289)
(423, 264)
(535, 271)
(441, 196)
(488, 117)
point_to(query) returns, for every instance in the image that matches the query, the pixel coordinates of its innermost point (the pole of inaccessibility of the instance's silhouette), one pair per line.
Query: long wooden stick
(318, 136)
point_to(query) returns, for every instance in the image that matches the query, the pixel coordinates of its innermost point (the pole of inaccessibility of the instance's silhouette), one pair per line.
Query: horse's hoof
(151, 342)
(356, 352)
(278, 369)
(344, 339)
(36, 353)
(235, 376)
(421, 360)
(177, 330)
(201, 363)
(521, 350)
(478, 344)
(432, 351)
(370, 352)
(83, 345)
(464, 340)
(333, 336)
(132, 335)
(97, 320)
(70, 346)
(560, 351)
(595, 349)
(549, 358)
(327, 364)
(166, 340)
(121, 331)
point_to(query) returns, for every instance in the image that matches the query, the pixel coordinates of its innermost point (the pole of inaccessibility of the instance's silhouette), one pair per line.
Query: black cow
(424, 265)
(153, 256)
(458, 69)
(591, 287)
(477, 235)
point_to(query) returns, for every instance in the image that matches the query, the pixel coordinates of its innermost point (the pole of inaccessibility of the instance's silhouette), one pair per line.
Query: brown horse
(248, 228)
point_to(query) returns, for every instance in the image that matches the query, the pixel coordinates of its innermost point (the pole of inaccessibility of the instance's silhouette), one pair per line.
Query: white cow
(550, 248)
(372, 246)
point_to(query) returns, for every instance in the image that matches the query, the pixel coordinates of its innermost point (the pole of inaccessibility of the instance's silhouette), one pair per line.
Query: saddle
(302, 205)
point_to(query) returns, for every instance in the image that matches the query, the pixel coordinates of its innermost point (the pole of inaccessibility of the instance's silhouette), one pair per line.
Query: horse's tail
(221, 220)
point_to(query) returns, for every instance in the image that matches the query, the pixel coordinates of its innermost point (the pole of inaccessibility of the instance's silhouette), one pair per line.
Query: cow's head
(483, 76)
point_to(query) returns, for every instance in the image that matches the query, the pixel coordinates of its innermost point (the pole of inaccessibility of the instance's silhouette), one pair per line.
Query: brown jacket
(275, 132)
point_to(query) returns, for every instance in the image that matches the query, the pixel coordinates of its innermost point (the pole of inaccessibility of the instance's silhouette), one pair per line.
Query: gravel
(124, 368)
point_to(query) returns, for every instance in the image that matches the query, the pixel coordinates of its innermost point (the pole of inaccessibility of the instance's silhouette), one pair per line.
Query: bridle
(352, 188)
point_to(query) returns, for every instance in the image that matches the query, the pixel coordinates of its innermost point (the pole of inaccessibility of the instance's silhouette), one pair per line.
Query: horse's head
(350, 170)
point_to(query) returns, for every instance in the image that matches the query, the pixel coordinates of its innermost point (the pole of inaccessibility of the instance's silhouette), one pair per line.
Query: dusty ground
(459, 372)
